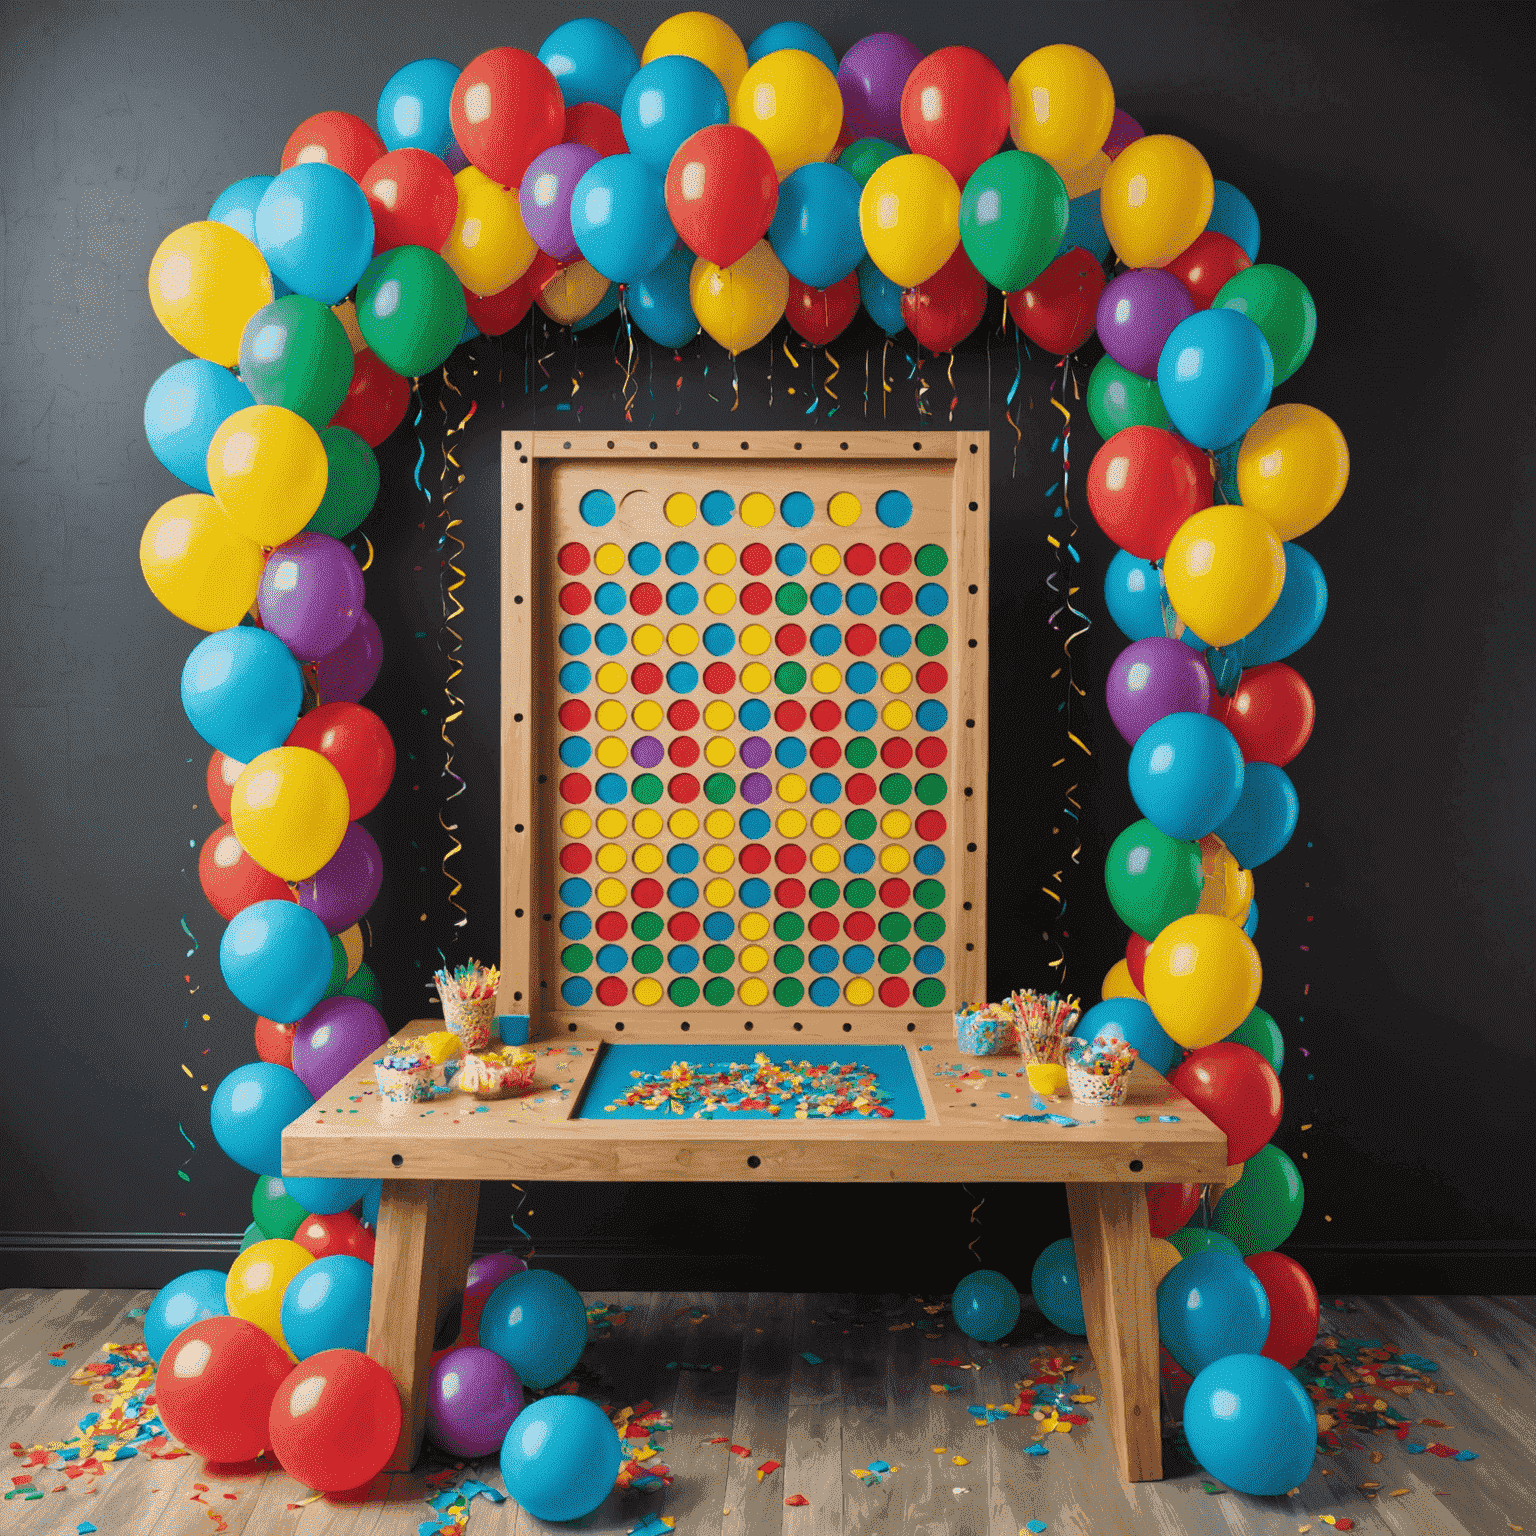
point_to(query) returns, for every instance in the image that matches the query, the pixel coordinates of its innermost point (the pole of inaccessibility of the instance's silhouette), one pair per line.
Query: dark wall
(1388, 151)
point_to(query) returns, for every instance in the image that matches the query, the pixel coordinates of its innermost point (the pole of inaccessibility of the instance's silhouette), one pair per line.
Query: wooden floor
(868, 1399)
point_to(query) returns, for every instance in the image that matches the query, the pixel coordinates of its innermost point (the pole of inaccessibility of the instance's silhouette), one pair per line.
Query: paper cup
(1048, 1077)
(471, 1021)
(1089, 1088)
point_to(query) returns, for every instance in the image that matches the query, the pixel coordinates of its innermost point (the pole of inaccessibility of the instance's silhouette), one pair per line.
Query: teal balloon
(591, 60)
(864, 157)
(326, 1305)
(1192, 1240)
(560, 1458)
(236, 205)
(791, 34)
(351, 485)
(815, 230)
(1251, 924)
(1265, 817)
(1085, 228)
(410, 309)
(881, 297)
(659, 302)
(619, 215)
(241, 688)
(1055, 1286)
(1260, 1033)
(604, 307)
(252, 1235)
(1013, 214)
(1215, 374)
(188, 1299)
(1233, 215)
(1133, 593)
(327, 1197)
(1118, 398)
(537, 1322)
(669, 100)
(1186, 775)
(1130, 1020)
(1251, 1424)
(314, 226)
(365, 984)
(414, 107)
(1295, 617)
(1211, 1305)
(184, 408)
(985, 1306)
(276, 959)
(294, 352)
(371, 1198)
(249, 1110)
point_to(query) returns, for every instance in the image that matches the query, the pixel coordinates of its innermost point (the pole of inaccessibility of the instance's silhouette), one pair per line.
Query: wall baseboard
(147, 1260)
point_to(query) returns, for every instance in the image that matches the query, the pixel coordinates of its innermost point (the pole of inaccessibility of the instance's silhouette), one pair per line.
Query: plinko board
(754, 731)
(774, 1082)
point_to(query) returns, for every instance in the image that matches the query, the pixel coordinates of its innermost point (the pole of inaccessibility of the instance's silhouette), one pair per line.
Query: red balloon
(497, 314)
(1293, 1306)
(1169, 1206)
(822, 314)
(337, 138)
(954, 109)
(231, 879)
(1271, 713)
(1136, 949)
(413, 199)
(222, 773)
(216, 1385)
(274, 1042)
(376, 400)
(1237, 1090)
(1207, 266)
(506, 110)
(722, 191)
(335, 1420)
(342, 1233)
(596, 126)
(1058, 311)
(1143, 484)
(943, 311)
(357, 744)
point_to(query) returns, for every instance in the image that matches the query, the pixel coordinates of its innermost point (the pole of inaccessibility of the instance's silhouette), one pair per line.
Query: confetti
(1032, 1525)
(809, 1358)
(767, 1468)
(797, 1501)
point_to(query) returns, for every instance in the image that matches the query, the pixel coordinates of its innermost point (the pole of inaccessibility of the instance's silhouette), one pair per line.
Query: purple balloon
(871, 78)
(455, 158)
(545, 197)
(1137, 313)
(351, 669)
(333, 1038)
(1156, 677)
(473, 1396)
(311, 594)
(343, 889)
(487, 1272)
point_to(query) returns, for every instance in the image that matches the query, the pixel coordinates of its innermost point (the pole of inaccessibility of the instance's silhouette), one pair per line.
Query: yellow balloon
(490, 247)
(290, 811)
(698, 35)
(909, 215)
(1063, 106)
(738, 305)
(1118, 983)
(790, 101)
(1234, 1173)
(1228, 888)
(205, 281)
(1156, 199)
(572, 292)
(197, 563)
(1089, 179)
(352, 941)
(1292, 467)
(1202, 978)
(1224, 570)
(1162, 1256)
(268, 470)
(257, 1279)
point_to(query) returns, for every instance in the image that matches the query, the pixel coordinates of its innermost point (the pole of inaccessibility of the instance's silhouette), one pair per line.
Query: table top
(1157, 1136)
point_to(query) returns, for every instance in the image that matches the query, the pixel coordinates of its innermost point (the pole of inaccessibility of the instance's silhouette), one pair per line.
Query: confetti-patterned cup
(977, 1034)
(1089, 1088)
(471, 1021)
(403, 1080)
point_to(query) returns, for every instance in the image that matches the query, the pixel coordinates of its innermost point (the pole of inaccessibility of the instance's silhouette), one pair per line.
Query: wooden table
(432, 1159)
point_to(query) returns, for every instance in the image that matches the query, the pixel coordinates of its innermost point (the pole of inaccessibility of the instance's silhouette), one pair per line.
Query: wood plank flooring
(824, 1385)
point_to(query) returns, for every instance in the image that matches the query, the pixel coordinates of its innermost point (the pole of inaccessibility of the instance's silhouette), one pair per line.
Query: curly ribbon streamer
(1013, 389)
(832, 393)
(954, 394)
(885, 383)
(866, 383)
(421, 447)
(516, 1225)
(975, 1222)
(195, 945)
(631, 387)
(369, 561)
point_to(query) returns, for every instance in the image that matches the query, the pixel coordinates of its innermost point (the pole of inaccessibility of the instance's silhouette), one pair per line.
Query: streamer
(832, 393)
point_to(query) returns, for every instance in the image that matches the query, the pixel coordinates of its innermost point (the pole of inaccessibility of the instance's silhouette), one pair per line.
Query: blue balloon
(1251, 1424)
(252, 1235)
(1233, 215)
(249, 1110)
(668, 100)
(1131, 1020)
(1294, 618)
(1251, 922)
(371, 1198)
(537, 1323)
(659, 302)
(604, 307)
(1186, 773)
(1209, 1306)
(882, 298)
(1085, 228)
(414, 107)
(186, 1300)
(791, 34)
(326, 1305)
(985, 1306)
(241, 689)
(560, 1458)
(1264, 818)
(591, 60)
(1215, 376)
(183, 410)
(276, 959)
(1133, 593)
(325, 1197)
(619, 218)
(236, 204)
(815, 230)
(314, 226)
(1192, 1240)
(1056, 1288)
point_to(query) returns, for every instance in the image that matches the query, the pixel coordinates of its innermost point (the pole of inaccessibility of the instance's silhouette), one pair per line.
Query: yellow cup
(1047, 1077)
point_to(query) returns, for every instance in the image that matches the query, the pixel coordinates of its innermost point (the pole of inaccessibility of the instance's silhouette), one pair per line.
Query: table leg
(1110, 1234)
(425, 1234)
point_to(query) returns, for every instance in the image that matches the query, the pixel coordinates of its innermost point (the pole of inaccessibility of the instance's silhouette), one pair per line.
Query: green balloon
(253, 1234)
(1118, 398)
(295, 353)
(277, 1213)
(1192, 1240)
(410, 309)
(1152, 878)
(352, 483)
(365, 984)
(864, 157)
(1278, 303)
(338, 969)
(1260, 1033)
(1013, 214)
(1261, 1210)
